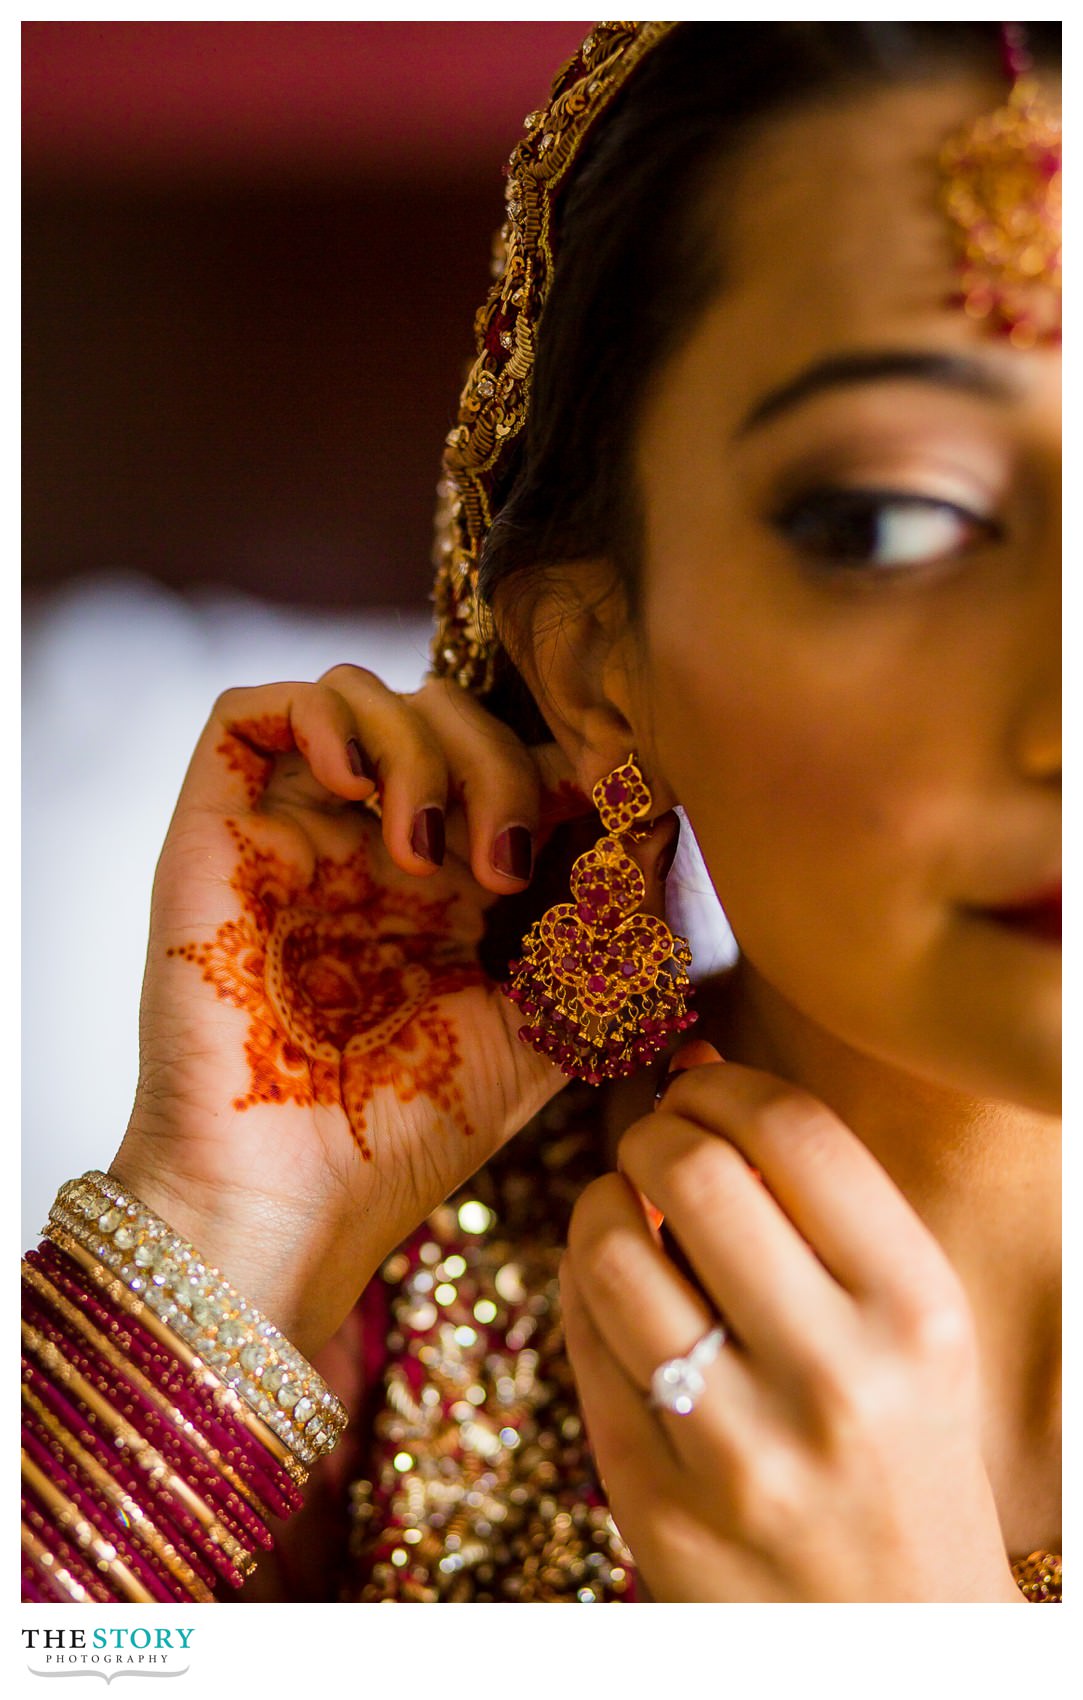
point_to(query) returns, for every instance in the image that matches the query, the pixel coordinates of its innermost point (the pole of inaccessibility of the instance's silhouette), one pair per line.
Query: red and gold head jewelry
(1002, 192)
(493, 404)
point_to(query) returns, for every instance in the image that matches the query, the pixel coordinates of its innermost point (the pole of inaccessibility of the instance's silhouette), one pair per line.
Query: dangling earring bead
(603, 986)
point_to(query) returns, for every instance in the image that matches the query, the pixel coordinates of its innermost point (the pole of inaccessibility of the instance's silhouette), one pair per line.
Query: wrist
(194, 1305)
(277, 1253)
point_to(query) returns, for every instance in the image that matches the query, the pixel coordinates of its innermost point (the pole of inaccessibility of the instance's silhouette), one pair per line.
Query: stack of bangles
(164, 1420)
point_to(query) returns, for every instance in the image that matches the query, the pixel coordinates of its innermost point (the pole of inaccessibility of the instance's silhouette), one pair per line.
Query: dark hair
(634, 269)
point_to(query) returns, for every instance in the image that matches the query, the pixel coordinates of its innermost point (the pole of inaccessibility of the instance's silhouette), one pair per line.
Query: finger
(786, 1309)
(626, 1441)
(831, 1187)
(325, 733)
(250, 730)
(561, 797)
(647, 1312)
(654, 855)
(410, 766)
(496, 778)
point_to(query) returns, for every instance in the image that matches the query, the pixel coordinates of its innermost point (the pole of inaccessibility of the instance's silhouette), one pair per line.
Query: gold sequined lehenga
(478, 1483)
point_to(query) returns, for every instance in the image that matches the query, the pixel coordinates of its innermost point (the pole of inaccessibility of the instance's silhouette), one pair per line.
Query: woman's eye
(881, 529)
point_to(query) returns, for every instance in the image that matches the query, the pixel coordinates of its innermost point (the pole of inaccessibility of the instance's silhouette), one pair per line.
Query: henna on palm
(341, 977)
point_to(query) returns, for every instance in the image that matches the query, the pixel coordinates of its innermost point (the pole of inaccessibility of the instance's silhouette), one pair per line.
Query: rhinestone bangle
(204, 1309)
(227, 1402)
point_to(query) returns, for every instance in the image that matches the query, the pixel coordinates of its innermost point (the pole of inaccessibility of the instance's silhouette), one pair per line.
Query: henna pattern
(340, 977)
(250, 746)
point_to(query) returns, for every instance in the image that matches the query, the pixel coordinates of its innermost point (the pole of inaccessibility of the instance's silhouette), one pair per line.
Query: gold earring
(603, 985)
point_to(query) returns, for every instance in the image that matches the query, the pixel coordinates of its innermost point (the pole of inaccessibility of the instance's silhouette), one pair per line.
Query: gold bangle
(116, 1359)
(203, 1308)
(87, 1536)
(73, 1560)
(224, 1397)
(143, 1528)
(78, 1565)
(55, 1573)
(142, 1453)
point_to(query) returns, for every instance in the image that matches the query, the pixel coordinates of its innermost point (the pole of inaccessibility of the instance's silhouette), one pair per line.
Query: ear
(569, 631)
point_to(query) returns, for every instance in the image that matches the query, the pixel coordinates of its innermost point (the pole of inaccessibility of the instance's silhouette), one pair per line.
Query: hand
(322, 1056)
(835, 1453)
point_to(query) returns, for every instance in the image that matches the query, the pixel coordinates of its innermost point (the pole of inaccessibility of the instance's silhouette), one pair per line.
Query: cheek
(821, 826)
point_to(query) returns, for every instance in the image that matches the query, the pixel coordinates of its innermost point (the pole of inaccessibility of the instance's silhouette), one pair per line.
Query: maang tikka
(602, 985)
(1001, 189)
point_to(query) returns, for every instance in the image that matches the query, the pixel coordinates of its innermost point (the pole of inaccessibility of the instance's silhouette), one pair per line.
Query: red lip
(1040, 915)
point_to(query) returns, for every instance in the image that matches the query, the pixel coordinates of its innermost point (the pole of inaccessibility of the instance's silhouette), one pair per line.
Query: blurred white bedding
(119, 675)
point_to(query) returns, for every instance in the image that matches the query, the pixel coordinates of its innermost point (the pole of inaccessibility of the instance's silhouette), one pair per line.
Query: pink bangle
(150, 1422)
(94, 1510)
(165, 1420)
(216, 1545)
(177, 1524)
(225, 1399)
(64, 1551)
(251, 1462)
(203, 1308)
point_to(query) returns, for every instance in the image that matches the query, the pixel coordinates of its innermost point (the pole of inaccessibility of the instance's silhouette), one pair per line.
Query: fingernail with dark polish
(513, 852)
(427, 835)
(665, 860)
(360, 764)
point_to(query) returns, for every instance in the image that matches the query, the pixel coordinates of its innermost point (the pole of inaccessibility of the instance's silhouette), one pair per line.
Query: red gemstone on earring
(616, 792)
(596, 983)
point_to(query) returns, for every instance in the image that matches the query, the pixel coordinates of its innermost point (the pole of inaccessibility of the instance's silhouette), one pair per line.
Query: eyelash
(800, 520)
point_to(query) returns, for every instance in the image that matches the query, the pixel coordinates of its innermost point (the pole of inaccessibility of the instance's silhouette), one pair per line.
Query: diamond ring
(678, 1383)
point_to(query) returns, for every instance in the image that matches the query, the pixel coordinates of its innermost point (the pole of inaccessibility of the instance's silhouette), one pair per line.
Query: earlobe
(571, 638)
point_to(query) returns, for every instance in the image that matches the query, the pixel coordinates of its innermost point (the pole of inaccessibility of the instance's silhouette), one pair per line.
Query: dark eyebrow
(945, 371)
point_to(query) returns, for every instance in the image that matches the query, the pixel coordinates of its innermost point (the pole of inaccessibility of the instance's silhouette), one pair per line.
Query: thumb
(694, 1053)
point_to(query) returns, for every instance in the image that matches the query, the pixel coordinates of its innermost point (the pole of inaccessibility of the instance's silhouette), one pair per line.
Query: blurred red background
(252, 255)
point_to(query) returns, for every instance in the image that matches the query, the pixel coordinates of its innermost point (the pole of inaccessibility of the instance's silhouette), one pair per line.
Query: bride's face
(850, 619)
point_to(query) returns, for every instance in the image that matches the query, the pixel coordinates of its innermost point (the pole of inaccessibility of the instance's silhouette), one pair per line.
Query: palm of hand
(343, 979)
(322, 1016)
